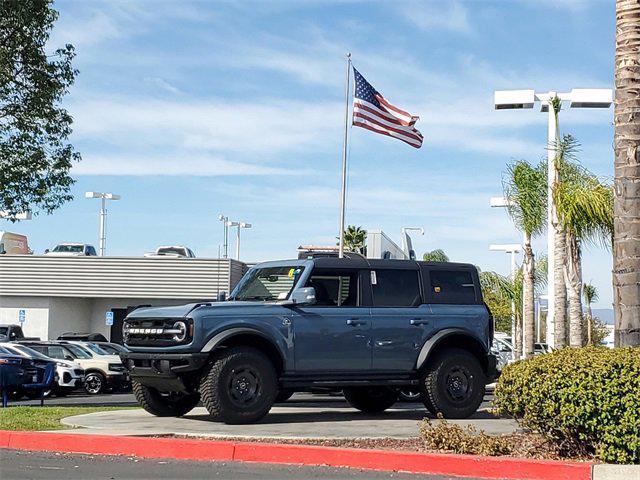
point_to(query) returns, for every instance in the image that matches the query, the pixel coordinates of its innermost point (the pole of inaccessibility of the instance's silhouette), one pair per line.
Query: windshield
(268, 284)
(79, 352)
(171, 251)
(96, 349)
(4, 330)
(69, 248)
(30, 352)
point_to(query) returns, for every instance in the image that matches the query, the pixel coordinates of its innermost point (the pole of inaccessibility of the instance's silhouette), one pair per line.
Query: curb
(383, 460)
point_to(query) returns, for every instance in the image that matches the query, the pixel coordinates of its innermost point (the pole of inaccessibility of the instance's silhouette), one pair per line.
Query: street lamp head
(112, 196)
(508, 247)
(245, 225)
(513, 99)
(500, 202)
(232, 224)
(221, 217)
(591, 97)
(93, 195)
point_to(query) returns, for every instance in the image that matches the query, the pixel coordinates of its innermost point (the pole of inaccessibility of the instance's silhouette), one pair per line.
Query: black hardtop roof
(365, 263)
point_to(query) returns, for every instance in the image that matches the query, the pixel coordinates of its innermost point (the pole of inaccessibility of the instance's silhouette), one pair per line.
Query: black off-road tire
(284, 395)
(240, 386)
(164, 405)
(453, 384)
(371, 399)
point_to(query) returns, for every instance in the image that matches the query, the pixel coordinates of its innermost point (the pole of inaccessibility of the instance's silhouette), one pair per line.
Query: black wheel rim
(459, 384)
(244, 386)
(93, 384)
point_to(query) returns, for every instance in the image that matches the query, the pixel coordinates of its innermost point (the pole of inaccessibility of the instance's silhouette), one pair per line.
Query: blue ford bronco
(369, 327)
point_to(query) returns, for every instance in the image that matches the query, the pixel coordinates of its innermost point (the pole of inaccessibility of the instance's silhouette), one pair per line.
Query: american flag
(373, 112)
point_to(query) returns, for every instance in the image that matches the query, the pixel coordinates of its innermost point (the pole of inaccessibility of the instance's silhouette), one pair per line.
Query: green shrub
(453, 438)
(584, 400)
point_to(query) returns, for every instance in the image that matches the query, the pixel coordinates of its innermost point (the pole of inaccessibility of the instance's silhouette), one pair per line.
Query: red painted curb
(206, 450)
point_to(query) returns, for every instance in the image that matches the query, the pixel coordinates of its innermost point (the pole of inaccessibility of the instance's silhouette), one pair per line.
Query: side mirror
(69, 357)
(303, 296)
(46, 251)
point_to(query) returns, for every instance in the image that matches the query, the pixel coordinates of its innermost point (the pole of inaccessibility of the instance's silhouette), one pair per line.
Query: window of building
(396, 288)
(335, 288)
(452, 286)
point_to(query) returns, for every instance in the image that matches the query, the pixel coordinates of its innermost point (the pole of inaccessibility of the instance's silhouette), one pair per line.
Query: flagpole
(343, 193)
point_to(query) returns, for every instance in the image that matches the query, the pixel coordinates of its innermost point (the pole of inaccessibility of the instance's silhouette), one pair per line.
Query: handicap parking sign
(22, 316)
(109, 318)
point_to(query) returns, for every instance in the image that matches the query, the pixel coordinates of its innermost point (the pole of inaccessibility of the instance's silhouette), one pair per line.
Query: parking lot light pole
(239, 225)
(513, 249)
(578, 98)
(103, 216)
(225, 220)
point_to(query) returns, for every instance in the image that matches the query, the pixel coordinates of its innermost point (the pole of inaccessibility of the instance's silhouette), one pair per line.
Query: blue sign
(22, 316)
(109, 318)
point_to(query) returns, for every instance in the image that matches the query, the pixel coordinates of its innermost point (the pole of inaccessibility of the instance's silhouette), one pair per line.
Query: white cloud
(162, 84)
(434, 16)
(204, 166)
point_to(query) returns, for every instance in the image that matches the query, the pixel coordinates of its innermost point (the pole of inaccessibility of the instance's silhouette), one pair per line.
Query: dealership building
(51, 295)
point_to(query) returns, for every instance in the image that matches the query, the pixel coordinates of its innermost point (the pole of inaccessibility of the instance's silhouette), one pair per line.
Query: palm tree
(525, 188)
(590, 294)
(585, 211)
(354, 239)
(436, 255)
(626, 243)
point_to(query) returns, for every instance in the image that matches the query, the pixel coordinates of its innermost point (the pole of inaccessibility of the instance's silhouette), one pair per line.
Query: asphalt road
(128, 400)
(21, 465)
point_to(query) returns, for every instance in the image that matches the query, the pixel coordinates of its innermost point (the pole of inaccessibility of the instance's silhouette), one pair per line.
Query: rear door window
(395, 288)
(452, 286)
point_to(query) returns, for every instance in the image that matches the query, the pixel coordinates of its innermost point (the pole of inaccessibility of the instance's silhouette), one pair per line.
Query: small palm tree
(525, 188)
(585, 211)
(436, 255)
(590, 294)
(354, 239)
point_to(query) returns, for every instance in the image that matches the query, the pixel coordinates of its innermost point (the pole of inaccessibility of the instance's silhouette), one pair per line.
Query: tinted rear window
(396, 288)
(452, 286)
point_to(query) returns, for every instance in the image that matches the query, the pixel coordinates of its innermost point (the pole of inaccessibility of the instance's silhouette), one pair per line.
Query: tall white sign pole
(343, 194)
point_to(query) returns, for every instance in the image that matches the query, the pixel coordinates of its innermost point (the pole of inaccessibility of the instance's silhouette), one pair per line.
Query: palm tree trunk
(528, 298)
(626, 237)
(573, 272)
(589, 324)
(560, 291)
(517, 344)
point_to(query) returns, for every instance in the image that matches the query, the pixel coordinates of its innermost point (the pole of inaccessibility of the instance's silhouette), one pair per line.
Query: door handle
(354, 322)
(419, 321)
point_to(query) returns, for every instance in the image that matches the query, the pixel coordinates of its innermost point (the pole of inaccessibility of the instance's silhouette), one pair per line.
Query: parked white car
(175, 251)
(116, 375)
(72, 250)
(69, 376)
(102, 372)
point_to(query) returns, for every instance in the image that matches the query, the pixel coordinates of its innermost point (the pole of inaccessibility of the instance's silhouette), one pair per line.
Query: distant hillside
(604, 314)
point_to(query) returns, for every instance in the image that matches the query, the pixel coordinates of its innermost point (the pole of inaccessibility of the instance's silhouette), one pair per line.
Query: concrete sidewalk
(284, 421)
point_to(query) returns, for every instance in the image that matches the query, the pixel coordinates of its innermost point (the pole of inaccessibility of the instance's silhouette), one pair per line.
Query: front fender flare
(432, 342)
(220, 337)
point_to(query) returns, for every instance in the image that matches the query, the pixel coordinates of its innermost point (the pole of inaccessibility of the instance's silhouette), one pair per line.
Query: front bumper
(163, 371)
(70, 377)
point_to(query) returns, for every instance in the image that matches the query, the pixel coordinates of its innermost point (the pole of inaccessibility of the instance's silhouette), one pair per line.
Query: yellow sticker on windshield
(291, 272)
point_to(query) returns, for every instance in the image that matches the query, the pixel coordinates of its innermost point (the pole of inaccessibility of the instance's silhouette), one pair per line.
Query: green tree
(355, 239)
(585, 212)
(498, 293)
(436, 255)
(35, 156)
(525, 189)
(590, 294)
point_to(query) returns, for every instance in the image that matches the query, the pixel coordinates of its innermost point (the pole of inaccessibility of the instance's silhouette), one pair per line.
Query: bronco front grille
(157, 332)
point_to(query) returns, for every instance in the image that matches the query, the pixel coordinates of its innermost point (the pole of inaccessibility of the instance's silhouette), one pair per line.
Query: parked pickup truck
(12, 333)
(368, 327)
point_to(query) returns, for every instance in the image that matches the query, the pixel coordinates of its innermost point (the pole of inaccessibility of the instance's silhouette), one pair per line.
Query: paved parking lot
(303, 416)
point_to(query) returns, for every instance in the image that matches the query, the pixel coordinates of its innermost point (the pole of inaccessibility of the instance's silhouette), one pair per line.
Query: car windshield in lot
(68, 249)
(29, 352)
(268, 284)
(96, 349)
(79, 352)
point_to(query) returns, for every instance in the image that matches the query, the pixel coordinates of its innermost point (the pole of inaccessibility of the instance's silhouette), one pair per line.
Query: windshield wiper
(255, 297)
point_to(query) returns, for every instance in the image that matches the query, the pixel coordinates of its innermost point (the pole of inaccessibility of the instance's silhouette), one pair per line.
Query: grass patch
(43, 418)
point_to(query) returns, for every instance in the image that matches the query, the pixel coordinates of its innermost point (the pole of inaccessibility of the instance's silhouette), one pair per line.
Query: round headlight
(182, 327)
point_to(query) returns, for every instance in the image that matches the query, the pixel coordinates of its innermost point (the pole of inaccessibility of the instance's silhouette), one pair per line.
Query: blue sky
(192, 109)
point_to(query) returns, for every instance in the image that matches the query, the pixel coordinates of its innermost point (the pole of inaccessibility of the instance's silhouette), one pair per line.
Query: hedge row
(585, 400)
